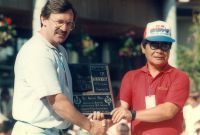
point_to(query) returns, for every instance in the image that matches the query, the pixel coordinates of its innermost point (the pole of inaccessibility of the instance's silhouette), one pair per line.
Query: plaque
(92, 89)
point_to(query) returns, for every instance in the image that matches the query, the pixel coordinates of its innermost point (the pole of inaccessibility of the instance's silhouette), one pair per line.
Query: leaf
(188, 56)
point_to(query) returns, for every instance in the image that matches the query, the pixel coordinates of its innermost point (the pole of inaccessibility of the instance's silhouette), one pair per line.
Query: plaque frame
(92, 89)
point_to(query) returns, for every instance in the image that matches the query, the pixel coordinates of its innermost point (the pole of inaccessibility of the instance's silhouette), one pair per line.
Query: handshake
(100, 122)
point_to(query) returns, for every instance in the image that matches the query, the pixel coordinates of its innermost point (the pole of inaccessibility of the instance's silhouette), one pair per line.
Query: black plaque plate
(92, 88)
(90, 103)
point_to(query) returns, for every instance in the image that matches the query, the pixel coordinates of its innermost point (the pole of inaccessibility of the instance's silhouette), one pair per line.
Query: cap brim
(160, 39)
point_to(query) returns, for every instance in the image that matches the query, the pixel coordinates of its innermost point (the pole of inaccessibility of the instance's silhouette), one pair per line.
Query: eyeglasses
(60, 23)
(164, 46)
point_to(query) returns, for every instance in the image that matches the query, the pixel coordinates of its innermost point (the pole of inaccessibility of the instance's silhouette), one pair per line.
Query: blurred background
(107, 31)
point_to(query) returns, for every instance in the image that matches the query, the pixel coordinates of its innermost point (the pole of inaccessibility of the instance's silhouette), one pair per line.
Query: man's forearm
(159, 113)
(63, 107)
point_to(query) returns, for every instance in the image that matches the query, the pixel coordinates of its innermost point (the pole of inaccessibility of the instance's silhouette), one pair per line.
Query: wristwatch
(133, 114)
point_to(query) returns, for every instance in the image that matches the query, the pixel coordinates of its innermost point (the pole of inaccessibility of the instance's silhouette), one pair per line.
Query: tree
(189, 54)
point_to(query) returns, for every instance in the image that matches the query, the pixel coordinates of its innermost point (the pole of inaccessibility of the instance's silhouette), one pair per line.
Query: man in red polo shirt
(153, 96)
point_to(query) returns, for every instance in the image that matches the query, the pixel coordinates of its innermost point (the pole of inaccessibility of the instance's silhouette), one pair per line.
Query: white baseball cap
(158, 31)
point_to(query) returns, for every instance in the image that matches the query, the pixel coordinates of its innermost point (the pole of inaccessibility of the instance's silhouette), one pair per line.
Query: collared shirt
(170, 85)
(40, 70)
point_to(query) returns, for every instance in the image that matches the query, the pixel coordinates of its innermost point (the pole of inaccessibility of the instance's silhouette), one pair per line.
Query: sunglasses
(164, 46)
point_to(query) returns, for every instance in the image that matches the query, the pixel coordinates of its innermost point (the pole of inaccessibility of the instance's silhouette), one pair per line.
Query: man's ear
(43, 20)
(142, 47)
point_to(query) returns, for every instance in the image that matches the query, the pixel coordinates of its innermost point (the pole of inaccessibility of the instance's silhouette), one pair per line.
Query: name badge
(150, 101)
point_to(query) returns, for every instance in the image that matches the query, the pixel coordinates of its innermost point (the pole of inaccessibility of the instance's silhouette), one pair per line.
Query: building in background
(107, 31)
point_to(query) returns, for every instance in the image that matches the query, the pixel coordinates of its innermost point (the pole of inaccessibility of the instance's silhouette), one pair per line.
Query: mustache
(61, 32)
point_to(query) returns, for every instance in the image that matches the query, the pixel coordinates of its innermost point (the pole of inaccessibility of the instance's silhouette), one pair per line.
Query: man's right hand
(98, 127)
(120, 113)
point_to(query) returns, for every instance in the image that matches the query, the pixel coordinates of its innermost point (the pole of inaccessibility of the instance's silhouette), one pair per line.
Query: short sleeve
(41, 73)
(179, 90)
(125, 92)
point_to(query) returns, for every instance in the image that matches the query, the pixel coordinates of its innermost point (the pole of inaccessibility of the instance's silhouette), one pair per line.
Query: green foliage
(84, 44)
(88, 45)
(7, 30)
(188, 57)
(129, 48)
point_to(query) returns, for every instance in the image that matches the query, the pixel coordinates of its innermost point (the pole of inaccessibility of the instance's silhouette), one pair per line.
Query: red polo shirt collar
(166, 69)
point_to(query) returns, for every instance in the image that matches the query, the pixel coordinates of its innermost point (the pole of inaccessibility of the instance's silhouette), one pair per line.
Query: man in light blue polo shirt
(42, 102)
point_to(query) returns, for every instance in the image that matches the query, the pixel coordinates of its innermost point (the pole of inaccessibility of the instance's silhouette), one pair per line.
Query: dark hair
(144, 42)
(57, 6)
(195, 95)
(5, 92)
(123, 127)
(6, 126)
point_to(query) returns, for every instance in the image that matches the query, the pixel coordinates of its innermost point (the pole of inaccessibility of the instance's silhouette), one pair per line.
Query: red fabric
(171, 85)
